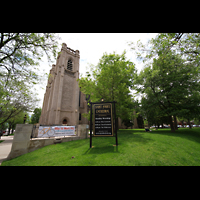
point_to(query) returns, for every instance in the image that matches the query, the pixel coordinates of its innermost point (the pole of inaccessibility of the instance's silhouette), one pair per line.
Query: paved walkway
(5, 147)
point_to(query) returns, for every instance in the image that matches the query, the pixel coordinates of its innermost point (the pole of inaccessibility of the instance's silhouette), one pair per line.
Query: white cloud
(93, 45)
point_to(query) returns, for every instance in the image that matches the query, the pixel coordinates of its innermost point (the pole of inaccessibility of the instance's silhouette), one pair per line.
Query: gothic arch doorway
(64, 121)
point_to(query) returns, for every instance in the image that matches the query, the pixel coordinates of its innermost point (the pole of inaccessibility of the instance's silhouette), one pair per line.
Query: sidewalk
(5, 147)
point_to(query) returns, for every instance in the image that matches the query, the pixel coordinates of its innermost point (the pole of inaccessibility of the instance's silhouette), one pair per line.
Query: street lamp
(24, 119)
(102, 99)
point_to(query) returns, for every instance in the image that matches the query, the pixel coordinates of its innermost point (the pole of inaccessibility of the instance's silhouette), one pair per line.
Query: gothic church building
(63, 102)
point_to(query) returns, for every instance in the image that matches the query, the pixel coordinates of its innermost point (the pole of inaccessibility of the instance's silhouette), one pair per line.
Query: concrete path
(5, 147)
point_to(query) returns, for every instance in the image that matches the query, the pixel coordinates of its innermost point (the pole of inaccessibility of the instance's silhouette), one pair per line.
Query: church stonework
(63, 102)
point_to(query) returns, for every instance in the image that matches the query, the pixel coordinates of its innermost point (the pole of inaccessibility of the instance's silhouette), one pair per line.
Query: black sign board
(103, 124)
(102, 120)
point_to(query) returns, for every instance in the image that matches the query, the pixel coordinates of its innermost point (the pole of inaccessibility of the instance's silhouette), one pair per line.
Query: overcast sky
(92, 46)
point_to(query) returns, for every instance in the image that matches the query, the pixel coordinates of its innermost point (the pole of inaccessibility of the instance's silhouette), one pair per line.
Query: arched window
(69, 65)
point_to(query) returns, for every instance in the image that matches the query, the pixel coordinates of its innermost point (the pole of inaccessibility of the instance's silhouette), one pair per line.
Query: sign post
(90, 124)
(102, 120)
(115, 126)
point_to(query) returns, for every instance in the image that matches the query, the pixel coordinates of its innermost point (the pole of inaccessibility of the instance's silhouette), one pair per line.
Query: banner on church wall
(55, 131)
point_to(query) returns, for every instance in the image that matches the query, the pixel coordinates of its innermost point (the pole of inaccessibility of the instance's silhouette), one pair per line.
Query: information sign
(103, 124)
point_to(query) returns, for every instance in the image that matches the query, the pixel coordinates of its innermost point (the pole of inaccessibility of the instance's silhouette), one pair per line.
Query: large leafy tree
(111, 80)
(170, 79)
(19, 56)
(16, 97)
(20, 53)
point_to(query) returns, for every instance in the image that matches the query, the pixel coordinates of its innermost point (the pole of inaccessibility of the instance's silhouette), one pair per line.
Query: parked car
(195, 125)
(2, 133)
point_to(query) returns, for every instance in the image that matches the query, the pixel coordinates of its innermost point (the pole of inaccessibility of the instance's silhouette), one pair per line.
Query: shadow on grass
(132, 135)
(102, 150)
(105, 145)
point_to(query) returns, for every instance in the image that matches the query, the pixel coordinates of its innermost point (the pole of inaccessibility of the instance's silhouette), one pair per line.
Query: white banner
(54, 131)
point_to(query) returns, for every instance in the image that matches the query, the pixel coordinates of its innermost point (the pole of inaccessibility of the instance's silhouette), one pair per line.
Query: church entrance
(65, 121)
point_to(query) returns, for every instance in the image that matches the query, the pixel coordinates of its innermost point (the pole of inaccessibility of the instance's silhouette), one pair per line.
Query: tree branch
(2, 36)
(158, 99)
(8, 40)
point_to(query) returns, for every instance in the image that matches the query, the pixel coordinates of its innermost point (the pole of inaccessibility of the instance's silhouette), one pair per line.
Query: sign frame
(100, 107)
(91, 109)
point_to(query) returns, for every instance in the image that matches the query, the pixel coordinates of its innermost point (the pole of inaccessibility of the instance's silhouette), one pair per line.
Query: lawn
(136, 148)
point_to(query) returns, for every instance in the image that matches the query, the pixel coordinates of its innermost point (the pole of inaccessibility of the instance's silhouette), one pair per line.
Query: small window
(79, 116)
(69, 65)
(79, 98)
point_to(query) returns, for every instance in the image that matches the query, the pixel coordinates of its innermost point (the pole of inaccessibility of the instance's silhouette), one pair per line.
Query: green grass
(1, 141)
(136, 148)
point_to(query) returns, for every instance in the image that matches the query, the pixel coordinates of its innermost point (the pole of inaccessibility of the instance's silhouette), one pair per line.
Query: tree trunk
(148, 125)
(189, 123)
(182, 122)
(175, 123)
(171, 124)
(13, 126)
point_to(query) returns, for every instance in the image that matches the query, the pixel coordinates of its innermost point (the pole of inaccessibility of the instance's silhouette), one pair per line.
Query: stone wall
(21, 140)
(83, 130)
(22, 143)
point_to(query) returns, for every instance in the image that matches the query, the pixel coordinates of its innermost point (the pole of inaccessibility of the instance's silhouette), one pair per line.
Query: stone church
(63, 101)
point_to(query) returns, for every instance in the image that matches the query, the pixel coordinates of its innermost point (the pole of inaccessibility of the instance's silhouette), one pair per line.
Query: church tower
(62, 98)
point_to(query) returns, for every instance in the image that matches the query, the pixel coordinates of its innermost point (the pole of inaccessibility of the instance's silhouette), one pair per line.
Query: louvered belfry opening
(69, 65)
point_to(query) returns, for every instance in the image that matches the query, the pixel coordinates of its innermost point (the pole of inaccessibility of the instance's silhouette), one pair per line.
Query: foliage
(19, 56)
(36, 116)
(20, 52)
(15, 98)
(86, 115)
(18, 119)
(170, 81)
(111, 80)
(127, 123)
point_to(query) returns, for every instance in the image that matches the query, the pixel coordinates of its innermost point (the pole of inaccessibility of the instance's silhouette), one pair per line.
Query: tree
(19, 52)
(171, 78)
(170, 84)
(152, 112)
(19, 56)
(111, 80)
(15, 98)
(17, 119)
(36, 116)
(185, 44)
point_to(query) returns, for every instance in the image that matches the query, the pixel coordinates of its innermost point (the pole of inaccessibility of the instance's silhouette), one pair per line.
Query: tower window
(79, 116)
(69, 65)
